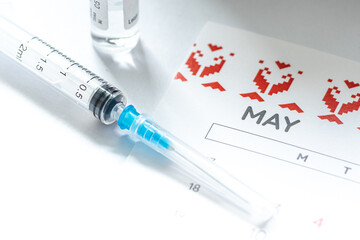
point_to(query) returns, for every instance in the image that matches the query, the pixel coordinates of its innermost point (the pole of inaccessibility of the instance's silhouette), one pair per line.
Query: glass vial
(114, 24)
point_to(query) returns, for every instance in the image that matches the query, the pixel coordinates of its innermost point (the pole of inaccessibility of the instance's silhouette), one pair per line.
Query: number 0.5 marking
(82, 88)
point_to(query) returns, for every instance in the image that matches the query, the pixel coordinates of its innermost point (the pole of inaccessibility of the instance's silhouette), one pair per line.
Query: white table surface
(58, 165)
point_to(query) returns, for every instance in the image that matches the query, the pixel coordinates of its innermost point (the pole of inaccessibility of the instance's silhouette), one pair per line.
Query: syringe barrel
(69, 77)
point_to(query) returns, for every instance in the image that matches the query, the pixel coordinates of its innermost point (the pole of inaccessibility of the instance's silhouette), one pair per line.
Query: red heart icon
(282, 65)
(214, 47)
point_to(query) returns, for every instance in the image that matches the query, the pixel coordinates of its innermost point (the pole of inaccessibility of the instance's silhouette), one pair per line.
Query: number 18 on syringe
(108, 104)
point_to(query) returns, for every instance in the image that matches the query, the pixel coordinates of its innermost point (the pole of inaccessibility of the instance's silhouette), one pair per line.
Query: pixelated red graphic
(213, 68)
(281, 87)
(214, 85)
(336, 106)
(214, 47)
(263, 84)
(350, 106)
(351, 84)
(260, 81)
(292, 107)
(331, 118)
(253, 96)
(192, 63)
(282, 65)
(330, 100)
(267, 87)
(180, 76)
(204, 67)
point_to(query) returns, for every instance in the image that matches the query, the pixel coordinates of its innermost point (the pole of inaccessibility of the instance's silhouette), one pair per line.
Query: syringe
(108, 104)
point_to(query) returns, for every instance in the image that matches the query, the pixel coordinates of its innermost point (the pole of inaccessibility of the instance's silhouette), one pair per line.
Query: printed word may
(273, 120)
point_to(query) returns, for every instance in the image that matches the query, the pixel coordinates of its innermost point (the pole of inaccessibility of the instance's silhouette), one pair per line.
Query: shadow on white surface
(136, 73)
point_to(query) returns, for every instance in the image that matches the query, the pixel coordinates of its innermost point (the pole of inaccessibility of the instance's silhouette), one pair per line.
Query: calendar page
(282, 118)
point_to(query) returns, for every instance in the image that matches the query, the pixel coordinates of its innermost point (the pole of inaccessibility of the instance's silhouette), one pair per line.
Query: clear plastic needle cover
(108, 104)
(253, 206)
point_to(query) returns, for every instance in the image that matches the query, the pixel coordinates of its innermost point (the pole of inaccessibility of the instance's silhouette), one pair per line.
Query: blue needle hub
(136, 123)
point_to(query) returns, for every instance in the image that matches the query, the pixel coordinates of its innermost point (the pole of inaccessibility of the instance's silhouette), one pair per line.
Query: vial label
(99, 14)
(131, 13)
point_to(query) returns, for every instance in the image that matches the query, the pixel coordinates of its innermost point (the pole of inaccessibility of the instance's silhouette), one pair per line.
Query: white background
(60, 169)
